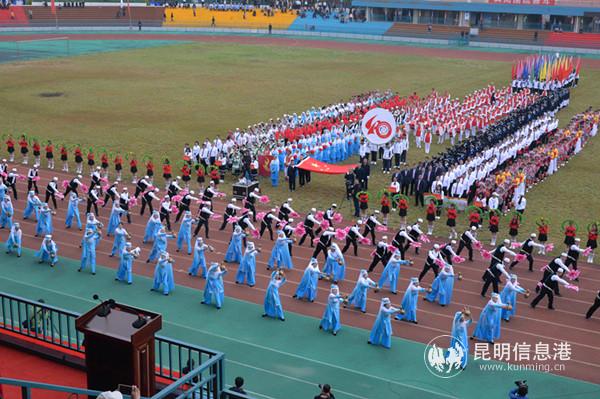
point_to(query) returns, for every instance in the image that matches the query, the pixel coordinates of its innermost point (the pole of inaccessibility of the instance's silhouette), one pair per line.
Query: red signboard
(264, 165)
(524, 2)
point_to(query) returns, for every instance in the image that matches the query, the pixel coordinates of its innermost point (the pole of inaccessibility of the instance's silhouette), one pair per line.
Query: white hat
(334, 205)
(386, 301)
(384, 238)
(97, 167)
(506, 260)
(110, 395)
(79, 177)
(313, 209)
(506, 241)
(330, 229)
(436, 246)
(233, 200)
(359, 222)
(48, 236)
(256, 190)
(453, 242)
(533, 235)
(419, 220)
(577, 239)
(376, 212)
(55, 178)
(288, 200)
(564, 255)
(14, 169)
(473, 228)
(291, 220)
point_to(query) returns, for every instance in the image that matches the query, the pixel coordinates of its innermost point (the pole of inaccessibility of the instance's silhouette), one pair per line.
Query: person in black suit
(363, 174)
(420, 190)
(291, 174)
(594, 307)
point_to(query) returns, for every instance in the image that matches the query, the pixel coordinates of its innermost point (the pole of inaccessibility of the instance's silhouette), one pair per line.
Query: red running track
(565, 324)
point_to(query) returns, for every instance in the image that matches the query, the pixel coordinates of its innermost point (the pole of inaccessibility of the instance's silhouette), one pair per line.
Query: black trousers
(225, 221)
(108, 196)
(292, 183)
(490, 279)
(309, 232)
(70, 189)
(144, 204)
(320, 248)
(419, 199)
(182, 209)
(51, 196)
(376, 260)
(91, 204)
(543, 292)
(350, 241)
(125, 207)
(429, 266)
(369, 232)
(593, 308)
(397, 160)
(400, 248)
(31, 183)
(265, 226)
(14, 190)
(251, 207)
(201, 222)
(529, 259)
(166, 218)
(571, 261)
(469, 247)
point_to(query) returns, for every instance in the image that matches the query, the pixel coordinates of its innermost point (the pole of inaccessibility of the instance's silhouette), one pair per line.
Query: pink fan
(60, 196)
(486, 254)
(233, 219)
(184, 192)
(100, 202)
(521, 257)
(36, 178)
(21, 177)
(365, 241)
(477, 245)
(177, 198)
(319, 216)
(133, 201)
(264, 199)
(174, 209)
(315, 241)
(372, 253)
(515, 245)
(105, 187)
(340, 234)
(294, 214)
(221, 195)
(415, 244)
(347, 229)
(439, 262)
(337, 217)
(458, 259)
(84, 188)
(391, 248)
(245, 211)
(573, 274)
(573, 287)
(424, 238)
(587, 251)
(549, 247)
(299, 230)
(215, 216)
(199, 202)
(4, 175)
(104, 180)
(260, 216)
(151, 188)
(381, 228)
(255, 233)
(324, 224)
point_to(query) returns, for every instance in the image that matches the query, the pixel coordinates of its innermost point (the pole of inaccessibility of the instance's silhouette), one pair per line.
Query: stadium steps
(228, 19)
(19, 13)
(89, 15)
(420, 31)
(512, 36)
(572, 39)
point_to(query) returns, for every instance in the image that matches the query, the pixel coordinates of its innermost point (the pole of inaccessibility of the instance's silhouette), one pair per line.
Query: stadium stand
(13, 15)
(570, 39)
(513, 36)
(228, 19)
(422, 31)
(334, 25)
(94, 15)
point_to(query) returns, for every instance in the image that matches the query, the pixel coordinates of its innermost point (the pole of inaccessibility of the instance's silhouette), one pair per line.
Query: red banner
(313, 165)
(524, 2)
(53, 7)
(264, 163)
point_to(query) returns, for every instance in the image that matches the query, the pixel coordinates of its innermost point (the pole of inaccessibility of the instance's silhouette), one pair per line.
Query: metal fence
(189, 371)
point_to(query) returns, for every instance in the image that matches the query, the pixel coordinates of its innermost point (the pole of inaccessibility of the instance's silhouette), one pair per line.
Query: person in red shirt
(402, 211)
(118, 166)
(10, 148)
(363, 200)
(91, 159)
(430, 216)
(474, 219)
(592, 241)
(185, 174)
(78, 160)
(104, 164)
(133, 169)
(214, 175)
(385, 207)
(451, 213)
(150, 168)
(494, 222)
(543, 230)
(570, 233)
(64, 155)
(24, 144)
(50, 154)
(200, 173)
(37, 151)
(513, 226)
(167, 172)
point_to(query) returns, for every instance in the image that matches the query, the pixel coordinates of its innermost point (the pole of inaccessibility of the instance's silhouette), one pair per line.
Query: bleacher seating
(13, 15)
(572, 39)
(512, 36)
(334, 25)
(227, 19)
(421, 31)
(90, 15)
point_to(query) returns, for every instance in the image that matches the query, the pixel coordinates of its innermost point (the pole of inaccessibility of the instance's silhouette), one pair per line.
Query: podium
(115, 351)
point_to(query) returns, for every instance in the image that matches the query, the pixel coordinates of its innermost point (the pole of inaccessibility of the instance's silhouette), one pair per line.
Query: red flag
(52, 7)
(313, 165)
(264, 165)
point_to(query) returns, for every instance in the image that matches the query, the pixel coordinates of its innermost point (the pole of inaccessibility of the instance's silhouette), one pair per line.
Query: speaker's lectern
(116, 352)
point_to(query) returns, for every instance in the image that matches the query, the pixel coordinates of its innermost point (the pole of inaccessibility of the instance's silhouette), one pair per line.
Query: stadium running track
(475, 54)
(566, 323)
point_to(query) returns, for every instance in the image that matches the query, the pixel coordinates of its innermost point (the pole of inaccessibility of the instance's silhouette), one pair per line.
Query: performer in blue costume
(121, 237)
(488, 326)
(247, 269)
(73, 211)
(199, 261)
(234, 251)
(335, 264)
(128, 255)
(509, 296)
(152, 227)
(309, 283)
(214, 290)
(381, 333)
(274, 166)
(331, 317)
(391, 272)
(358, 297)
(460, 336)
(185, 232)
(48, 251)
(442, 286)
(44, 223)
(6, 213)
(160, 244)
(33, 205)
(272, 304)
(163, 274)
(410, 301)
(88, 250)
(115, 218)
(280, 255)
(15, 239)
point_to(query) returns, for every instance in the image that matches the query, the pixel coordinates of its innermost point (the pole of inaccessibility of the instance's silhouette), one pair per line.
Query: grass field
(150, 101)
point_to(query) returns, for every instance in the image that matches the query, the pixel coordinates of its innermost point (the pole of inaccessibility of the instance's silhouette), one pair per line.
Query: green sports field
(150, 101)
